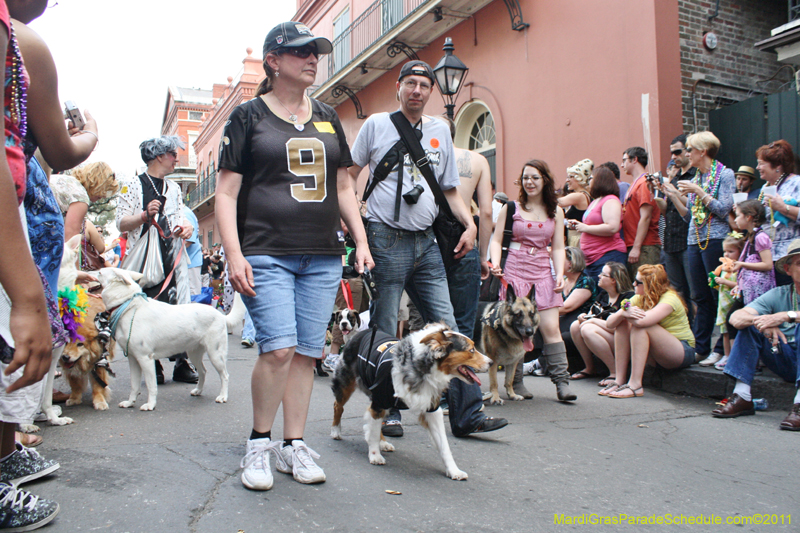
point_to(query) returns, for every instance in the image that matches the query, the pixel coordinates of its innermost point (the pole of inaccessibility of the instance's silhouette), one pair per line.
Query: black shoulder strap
(511, 208)
(419, 157)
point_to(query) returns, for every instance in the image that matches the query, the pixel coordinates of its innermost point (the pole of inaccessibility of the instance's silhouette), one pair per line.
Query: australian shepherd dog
(410, 374)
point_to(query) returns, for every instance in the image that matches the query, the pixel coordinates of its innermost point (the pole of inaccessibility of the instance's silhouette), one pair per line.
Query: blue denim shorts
(295, 295)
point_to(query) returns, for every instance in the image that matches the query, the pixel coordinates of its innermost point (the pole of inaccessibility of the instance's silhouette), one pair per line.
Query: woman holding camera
(537, 223)
(282, 187)
(710, 199)
(599, 229)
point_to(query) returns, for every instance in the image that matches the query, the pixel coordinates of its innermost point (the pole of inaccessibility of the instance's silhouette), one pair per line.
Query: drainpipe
(715, 14)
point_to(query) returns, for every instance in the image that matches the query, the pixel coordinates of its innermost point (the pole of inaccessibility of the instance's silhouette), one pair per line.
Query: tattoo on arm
(464, 164)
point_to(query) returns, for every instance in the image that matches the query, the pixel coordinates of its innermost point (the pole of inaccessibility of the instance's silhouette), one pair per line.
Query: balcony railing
(794, 10)
(203, 191)
(375, 22)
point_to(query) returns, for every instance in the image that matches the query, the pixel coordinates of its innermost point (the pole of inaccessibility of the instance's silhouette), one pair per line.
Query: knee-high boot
(518, 385)
(556, 355)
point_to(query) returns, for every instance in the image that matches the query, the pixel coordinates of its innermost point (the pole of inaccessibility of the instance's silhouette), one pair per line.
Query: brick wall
(740, 24)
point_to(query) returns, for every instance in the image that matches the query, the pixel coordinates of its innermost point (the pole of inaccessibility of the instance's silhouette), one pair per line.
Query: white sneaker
(527, 368)
(304, 469)
(712, 358)
(257, 474)
(330, 362)
(721, 363)
(283, 460)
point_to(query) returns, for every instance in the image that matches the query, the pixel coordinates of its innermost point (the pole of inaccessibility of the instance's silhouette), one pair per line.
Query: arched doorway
(475, 131)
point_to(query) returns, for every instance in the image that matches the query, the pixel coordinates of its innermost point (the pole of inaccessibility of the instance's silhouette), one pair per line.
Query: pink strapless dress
(529, 266)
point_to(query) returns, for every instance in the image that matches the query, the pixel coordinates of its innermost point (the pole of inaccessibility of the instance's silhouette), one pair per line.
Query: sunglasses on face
(637, 282)
(300, 51)
(679, 151)
(689, 149)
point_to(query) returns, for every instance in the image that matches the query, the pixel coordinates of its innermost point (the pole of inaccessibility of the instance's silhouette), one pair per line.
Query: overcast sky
(117, 59)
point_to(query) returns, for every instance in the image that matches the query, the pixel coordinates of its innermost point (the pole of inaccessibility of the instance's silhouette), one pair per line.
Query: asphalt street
(177, 468)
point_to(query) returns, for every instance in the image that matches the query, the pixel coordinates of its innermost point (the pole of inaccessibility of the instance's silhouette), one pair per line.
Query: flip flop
(607, 381)
(615, 394)
(582, 375)
(611, 387)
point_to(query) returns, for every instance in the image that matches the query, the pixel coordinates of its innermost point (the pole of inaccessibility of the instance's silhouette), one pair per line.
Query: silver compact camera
(72, 113)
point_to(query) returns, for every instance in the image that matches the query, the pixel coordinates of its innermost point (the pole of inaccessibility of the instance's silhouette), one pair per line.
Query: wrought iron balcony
(377, 20)
(794, 10)
(203, 191)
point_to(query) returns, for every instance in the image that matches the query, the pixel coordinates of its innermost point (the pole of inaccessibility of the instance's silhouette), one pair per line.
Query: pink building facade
(584, 79)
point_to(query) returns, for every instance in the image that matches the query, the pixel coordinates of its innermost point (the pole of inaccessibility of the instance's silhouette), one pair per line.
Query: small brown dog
(80, 361)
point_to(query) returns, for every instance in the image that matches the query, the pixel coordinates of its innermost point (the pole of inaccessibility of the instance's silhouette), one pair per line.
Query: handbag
(91, 260)
(145, 258)
(446, 227)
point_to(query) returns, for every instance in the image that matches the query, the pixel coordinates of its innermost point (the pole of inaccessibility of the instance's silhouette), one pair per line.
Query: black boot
(159, 373)
(184, 371)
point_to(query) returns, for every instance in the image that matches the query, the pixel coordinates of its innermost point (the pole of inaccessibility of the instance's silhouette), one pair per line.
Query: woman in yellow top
(653, 330)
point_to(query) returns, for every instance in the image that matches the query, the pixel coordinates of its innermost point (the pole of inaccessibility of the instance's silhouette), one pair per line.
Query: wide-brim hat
(294, 35)
(794, 249)
(746, 171)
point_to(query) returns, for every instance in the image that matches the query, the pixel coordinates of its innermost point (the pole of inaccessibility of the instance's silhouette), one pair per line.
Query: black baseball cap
(417, 68)
(294, 35)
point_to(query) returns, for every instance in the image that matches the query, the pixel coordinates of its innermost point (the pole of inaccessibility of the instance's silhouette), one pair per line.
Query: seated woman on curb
(653, 330)
(591, 335)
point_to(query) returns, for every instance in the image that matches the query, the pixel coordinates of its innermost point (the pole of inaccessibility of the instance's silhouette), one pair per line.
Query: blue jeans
(750, 345)
(593, 270)
(404, 258)
(677, 266)
(249, 330)
(701, 262)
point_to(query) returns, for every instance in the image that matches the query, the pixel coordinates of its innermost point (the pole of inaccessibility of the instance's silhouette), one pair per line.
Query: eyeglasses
(411, 85)
(603, 275)
(625, 159)
(300, 51)
(679, 151)
(530, 178)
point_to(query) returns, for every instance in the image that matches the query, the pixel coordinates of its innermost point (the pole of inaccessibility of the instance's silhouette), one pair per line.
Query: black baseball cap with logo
(294, 35)
(417, 68)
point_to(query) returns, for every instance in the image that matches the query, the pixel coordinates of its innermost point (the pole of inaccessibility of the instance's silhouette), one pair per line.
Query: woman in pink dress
(536, 217)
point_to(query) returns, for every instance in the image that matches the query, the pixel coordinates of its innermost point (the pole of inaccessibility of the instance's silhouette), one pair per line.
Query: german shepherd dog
(410, 373)
(506, 331)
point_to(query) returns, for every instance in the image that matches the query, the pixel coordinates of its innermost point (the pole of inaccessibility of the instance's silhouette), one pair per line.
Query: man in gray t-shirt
(401, 240)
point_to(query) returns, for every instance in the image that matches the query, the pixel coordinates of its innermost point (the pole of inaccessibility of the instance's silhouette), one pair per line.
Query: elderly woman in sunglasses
(650, 328)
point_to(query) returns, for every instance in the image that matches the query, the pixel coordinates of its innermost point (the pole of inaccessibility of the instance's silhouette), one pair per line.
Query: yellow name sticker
(324, 127)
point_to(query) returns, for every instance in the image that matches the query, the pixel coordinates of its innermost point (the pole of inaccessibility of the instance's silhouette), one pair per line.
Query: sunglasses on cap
(299, 51)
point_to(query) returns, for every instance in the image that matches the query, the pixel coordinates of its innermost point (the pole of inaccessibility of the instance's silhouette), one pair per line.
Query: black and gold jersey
(288, 202)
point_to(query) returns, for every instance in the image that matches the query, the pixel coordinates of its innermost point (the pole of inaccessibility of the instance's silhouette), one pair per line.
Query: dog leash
(117, 314)
(503, 281)
(348, 294)
(174, 263)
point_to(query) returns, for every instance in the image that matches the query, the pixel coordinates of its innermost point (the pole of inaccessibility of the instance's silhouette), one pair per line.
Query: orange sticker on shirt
(435, 142)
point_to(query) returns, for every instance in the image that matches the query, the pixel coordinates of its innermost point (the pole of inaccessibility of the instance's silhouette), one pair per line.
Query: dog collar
(119, 311)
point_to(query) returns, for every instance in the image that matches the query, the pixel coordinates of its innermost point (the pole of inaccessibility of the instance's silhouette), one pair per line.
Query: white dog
(148, 329)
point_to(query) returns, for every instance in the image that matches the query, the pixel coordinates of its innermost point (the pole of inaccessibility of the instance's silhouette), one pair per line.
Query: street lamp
(450, 73)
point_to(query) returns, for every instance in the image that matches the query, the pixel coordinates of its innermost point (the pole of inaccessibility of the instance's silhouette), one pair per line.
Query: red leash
(503, 281)
(348, 294)
(174, 263)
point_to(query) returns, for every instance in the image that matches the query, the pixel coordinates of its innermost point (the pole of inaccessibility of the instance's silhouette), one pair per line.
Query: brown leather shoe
(736, 406)
(792, 422)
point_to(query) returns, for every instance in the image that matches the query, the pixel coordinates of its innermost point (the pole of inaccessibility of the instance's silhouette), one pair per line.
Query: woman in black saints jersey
(282, 188)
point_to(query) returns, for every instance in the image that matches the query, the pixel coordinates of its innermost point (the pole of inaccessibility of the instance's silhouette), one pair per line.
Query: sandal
(29, 441)
(607, 381)
(616, 393)
(611, 387)
(583, 374)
